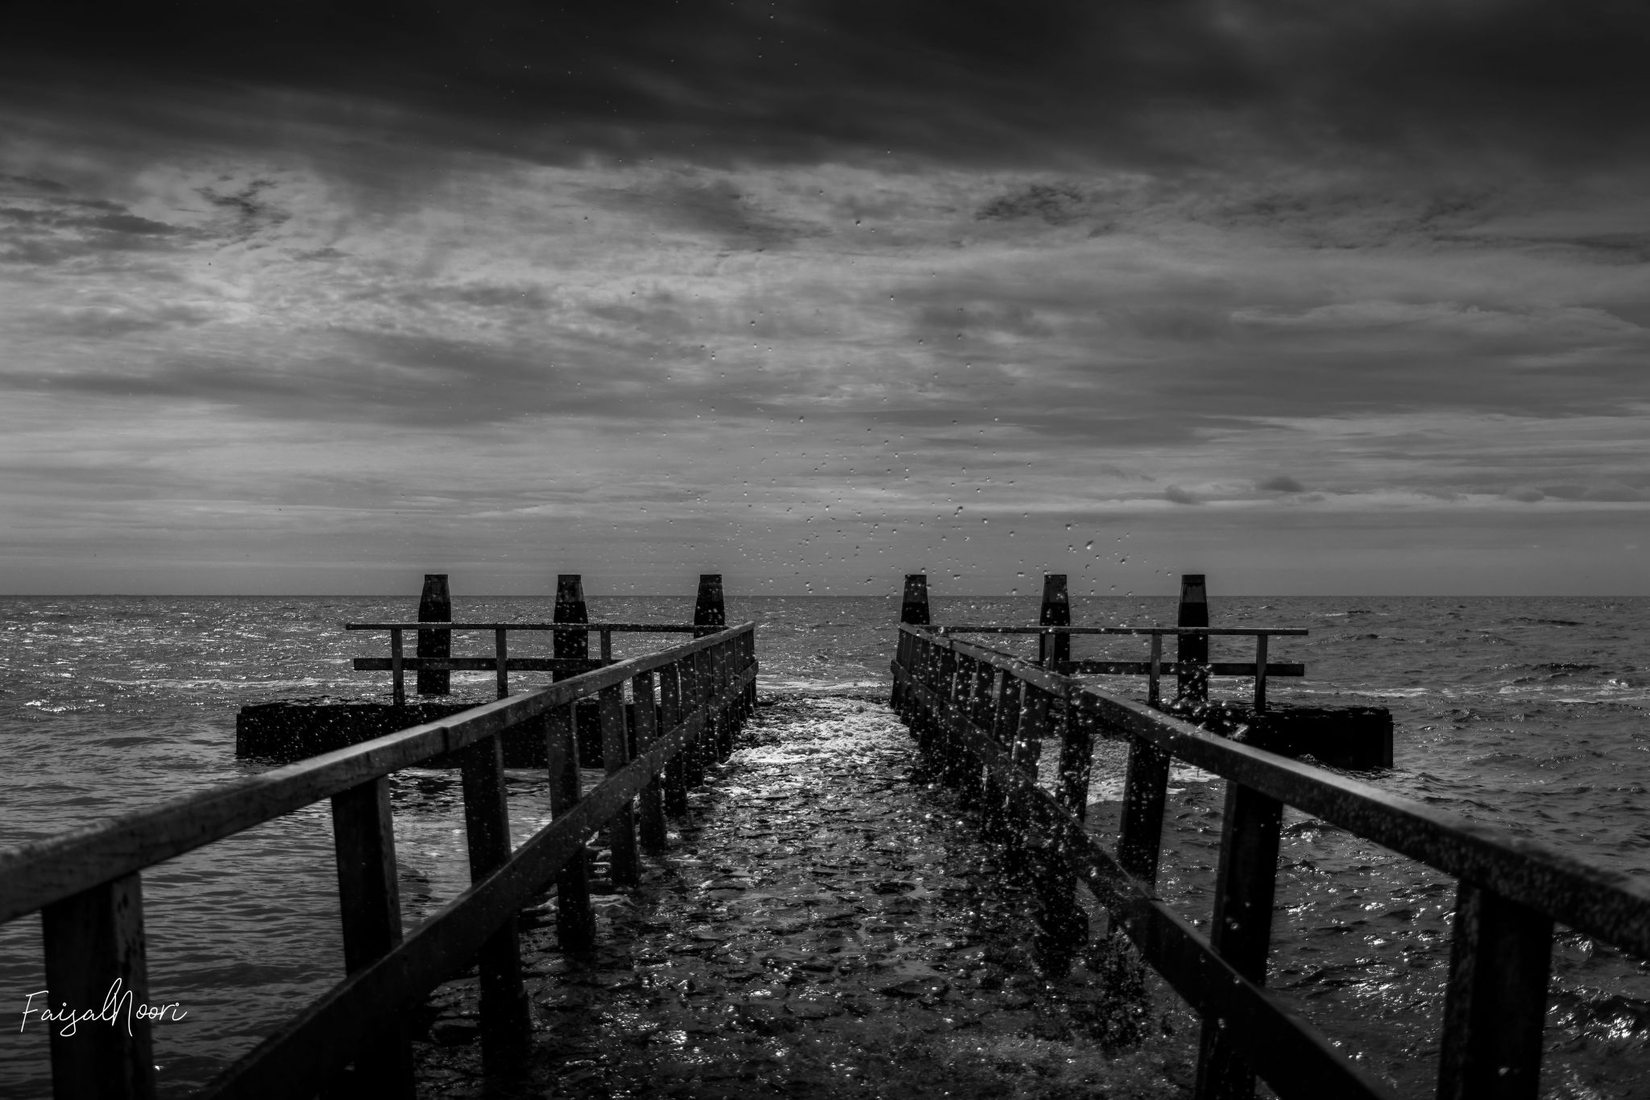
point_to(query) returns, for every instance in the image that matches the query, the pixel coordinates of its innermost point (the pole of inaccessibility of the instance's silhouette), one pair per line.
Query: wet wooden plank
(670, 715)
(96, 959)
(369, 904)
(1496, 1002)
(621, 826)
(1240, 930)
(650, 803)
(575, 919)
(506, 1021)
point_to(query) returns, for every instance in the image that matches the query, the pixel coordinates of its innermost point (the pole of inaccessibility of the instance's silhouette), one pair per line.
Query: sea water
(1524, 713)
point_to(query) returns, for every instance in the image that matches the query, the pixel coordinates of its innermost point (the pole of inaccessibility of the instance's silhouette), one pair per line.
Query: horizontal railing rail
(983, 717)
(687, 702)
(501, 662)
(1194, 674)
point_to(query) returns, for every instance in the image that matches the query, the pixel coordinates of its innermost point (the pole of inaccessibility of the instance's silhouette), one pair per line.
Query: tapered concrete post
(709, 615)
(570, 608)
(913, 606)
(435, 605)
(1056, 611)
(1193, 651)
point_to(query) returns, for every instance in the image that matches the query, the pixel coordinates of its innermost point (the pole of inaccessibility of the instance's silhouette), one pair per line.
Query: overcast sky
(1314, 298)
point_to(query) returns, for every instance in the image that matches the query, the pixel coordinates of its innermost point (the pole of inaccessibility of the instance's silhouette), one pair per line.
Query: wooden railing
(398, 665)
(981, 718)
(1192, 675)
(687, 702)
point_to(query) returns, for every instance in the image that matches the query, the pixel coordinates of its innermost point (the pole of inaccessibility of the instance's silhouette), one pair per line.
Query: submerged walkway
(822, 926)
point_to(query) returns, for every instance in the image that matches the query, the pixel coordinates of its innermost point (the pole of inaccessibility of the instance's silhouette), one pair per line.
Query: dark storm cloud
(999, 82)
(716, 207)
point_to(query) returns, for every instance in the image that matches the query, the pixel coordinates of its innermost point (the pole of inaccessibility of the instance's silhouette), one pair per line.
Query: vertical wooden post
(506, 1020)
(750, 685)
(1241, 931)
(501, 651)
(1193, 651)
(398, 673)
(1076, 759)
(1005, 717)
(94, 939)
(1053, 650)
(1260, 673)
(621, 828)
(913, 606)
(1145, 786)
(670, 716)
(720, 665)
(647, 734)
(570, 608)
(607, 645)
(1154, 680)
(575, 920)
(693, 698)
(435, 605)
(1496, 1001)
(1062, 924)
(709, 615)
(369, 902)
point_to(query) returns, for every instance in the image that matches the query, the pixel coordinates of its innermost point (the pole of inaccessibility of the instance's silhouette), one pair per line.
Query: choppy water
(1528, 713)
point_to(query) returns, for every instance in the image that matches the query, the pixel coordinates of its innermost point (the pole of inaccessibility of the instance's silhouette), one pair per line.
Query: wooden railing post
(721, 666)
(435, 605)
(506, 1020)
(1062, 924)
(575, 920)
(914, 603)
(1154, 676)
(1496, 1002)
(1054, 650)
(647, 732)
(697, 749)
(670, 716)
(1192, 653)
(1241, 929)
(1260, 673)
(501, 648)
(94, 940)
(398, 673)
(1005, 720)
(709, 613)
(369, 903)
(1145, 787)
(621, 828)
(570, 608)
(950, 672)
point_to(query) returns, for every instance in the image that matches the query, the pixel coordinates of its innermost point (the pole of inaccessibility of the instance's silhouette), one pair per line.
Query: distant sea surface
(1526, 713)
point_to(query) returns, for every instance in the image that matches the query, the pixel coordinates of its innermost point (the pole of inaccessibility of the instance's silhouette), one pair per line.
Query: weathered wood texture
(1512, 890)
(435, 605)
(87, 883)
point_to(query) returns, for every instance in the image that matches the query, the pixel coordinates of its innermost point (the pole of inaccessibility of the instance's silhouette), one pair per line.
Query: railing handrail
(1244, 631)
(1595, 900)
(41, 872)
(647, 628)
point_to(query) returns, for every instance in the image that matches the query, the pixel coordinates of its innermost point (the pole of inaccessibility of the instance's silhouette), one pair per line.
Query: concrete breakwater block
(1342, 737)
(287, 731)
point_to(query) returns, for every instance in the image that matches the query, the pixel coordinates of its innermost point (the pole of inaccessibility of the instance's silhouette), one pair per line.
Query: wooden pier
(686, 704)
(982, 718)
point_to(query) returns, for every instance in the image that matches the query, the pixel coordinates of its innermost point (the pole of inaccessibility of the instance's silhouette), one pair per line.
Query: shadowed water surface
(823, 927)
